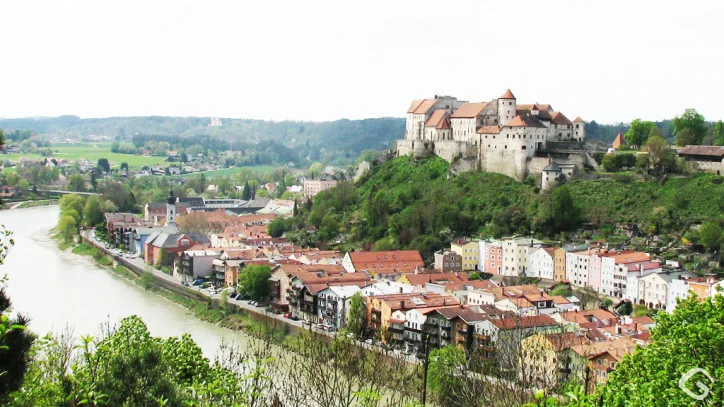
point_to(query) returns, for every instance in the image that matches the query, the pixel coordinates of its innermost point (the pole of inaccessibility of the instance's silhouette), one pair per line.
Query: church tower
(506, 108)
(171, 209)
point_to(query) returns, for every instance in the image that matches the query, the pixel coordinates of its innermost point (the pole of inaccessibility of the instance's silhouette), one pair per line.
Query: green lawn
(232, 171)
(92, 152)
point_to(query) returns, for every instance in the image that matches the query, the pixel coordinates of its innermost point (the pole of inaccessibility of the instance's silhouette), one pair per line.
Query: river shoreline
(205, 312)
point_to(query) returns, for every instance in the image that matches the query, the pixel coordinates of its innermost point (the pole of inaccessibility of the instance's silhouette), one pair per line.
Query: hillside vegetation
(413, 204)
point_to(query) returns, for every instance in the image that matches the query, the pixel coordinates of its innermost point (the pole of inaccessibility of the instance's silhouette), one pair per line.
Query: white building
(515, 255)
(386, 287)
(540, 263)
(655, 289)
(333, 305)
(314, 186)
(577, 268)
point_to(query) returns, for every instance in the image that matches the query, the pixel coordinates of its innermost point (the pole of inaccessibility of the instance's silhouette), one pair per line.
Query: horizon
(327, 61)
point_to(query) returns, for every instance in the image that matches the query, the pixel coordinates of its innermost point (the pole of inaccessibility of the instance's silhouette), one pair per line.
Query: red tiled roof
(524, 322)
(524, 121)
(424, 106)
(469, 110)
(438, 119)
(559, 118)
(507, 95)
(437, 278)
(488, 130)
(415, 104)
(578, 120)
(401, 261)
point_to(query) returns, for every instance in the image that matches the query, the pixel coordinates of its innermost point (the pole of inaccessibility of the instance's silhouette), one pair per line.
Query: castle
(500, 136)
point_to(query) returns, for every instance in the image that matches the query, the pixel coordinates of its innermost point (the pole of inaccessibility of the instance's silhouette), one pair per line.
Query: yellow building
(547, 359)
(559, 264)
(469, 251)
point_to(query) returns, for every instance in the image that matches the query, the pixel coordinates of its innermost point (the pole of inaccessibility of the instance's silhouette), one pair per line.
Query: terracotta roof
(409, 301)
(488, 130)
(559, 118)
(593, 315)
(415, 104)
(626, 257)
(578, 120)
(507, 95)
(713, 151)
(424, 106)
(559, 299)
(542, 106)
(565, 340)
(619, 346)
(644, 320)
(524, 322)
(438, 119)
(438, 278)
(469, 110)
(401, 261)
(524, 121)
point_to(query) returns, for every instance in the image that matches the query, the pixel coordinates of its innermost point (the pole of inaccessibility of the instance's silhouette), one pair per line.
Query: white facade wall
(608, 265)
(678, 289)
(653, 290)
(577, 268)
(540, 264)
(414, 126)
(480, 297)
(506, 110)
(463, 129)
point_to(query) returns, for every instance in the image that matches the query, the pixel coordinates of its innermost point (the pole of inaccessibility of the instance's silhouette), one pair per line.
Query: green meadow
(92, 152)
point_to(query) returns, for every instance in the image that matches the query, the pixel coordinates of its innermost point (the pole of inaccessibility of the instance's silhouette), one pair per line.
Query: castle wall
(449, 150)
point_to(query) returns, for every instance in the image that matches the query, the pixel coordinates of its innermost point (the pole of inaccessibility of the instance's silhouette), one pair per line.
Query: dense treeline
(335, 142)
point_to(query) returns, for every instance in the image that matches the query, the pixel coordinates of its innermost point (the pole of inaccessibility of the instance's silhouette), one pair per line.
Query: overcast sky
(324, 60)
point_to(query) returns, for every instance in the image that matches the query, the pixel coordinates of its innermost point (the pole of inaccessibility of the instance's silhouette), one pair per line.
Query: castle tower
(171, 209)
(579, 129)
(506, 108)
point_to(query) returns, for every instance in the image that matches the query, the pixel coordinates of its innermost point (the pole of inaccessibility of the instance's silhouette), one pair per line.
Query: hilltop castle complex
(498, 136)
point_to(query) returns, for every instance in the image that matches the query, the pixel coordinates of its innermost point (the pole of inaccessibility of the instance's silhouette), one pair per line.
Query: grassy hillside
(406, 203)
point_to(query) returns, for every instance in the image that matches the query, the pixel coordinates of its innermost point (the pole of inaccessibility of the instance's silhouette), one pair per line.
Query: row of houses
(622, 274)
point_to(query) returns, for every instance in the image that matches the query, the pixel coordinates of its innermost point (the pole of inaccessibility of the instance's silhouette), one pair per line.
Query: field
(92, 152)
(232, 171)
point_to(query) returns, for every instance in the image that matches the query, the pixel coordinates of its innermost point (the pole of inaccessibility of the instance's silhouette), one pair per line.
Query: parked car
(198, 282)
(287, 315)
(184, 283)
(294, 318)
(252, 303)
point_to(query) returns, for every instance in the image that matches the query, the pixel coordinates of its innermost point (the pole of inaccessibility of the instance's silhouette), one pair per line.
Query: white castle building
(498, 136)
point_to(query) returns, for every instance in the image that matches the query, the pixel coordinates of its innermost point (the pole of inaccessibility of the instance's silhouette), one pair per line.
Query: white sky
(324, 60)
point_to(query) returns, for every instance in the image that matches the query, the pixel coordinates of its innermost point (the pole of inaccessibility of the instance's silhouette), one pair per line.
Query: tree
(246, 193)
(92, 212)
(658, 150)
(124, 166)
(694, 122)
(609, 163)
(277, 227)
(638, 132)
(104, 165)
(67, 227)
(184, 157)
(254, 282)
(71, 202)
(76, 183)
(710, 235)
(718, 134)
(691, 337)
(357, 311)
(15, 346)
(685, 137)
(566, 215)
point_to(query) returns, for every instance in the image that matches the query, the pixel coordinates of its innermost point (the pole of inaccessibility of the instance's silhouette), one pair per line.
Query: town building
(448, 261)
(389, 262)
(540, 263)
(469, 252)
(704, 158)
(195, 264)
(314, 186)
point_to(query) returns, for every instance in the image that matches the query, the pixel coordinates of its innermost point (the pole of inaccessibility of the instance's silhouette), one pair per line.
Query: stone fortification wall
(450, 150)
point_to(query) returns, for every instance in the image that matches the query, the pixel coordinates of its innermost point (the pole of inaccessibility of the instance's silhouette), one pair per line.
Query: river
(59, 289)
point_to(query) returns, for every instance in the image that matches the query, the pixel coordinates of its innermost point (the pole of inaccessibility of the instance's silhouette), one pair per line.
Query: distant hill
(337, 142)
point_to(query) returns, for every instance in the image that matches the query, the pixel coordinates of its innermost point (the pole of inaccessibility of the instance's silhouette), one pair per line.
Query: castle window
(506, 146)
(523, 147)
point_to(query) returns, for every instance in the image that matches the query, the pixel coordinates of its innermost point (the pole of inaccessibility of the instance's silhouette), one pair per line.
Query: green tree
(609, 163)
(691, 337)
(566, 215)
(694, 122)
(638, 132)
(685, 137)
(710, 235)
(246, 192)
(104, 165)
(76, 183)
(357, 311)
(92, 212)
(658, 150)
(71, 202)
(254, 282)
(718, 134)
(67, 227)
(277, 227)
(124, 166)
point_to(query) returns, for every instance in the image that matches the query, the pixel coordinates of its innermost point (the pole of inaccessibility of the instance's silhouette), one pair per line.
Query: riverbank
(208, 311)
(29, 204)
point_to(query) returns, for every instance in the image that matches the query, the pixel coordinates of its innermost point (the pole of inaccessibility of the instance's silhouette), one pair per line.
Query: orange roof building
(389, 262)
